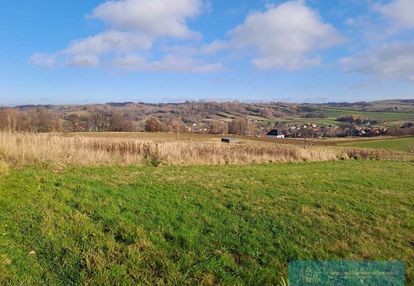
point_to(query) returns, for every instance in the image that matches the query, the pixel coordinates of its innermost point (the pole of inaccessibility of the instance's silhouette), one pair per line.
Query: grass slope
(396, 144)
(200, 225)
(374, 115)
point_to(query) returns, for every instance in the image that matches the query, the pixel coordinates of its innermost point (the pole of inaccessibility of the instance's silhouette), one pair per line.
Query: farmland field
(374, 115)
(404, 144)
(389, 119)
(200, 225)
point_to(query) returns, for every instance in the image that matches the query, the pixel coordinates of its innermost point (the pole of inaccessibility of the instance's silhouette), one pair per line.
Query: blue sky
(77, 51)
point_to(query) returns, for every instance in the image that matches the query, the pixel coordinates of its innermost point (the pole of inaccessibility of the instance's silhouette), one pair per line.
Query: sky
(97, 51)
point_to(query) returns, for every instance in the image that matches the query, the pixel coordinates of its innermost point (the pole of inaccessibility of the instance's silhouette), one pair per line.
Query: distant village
(312, 130)
(307, 130)
(349, 127)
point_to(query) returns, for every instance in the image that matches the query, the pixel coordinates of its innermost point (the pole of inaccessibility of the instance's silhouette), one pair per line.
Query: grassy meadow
(200, 225)
(128, 209)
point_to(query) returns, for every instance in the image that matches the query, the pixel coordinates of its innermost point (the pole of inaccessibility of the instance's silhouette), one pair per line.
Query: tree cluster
(34, 120)
(239, 126)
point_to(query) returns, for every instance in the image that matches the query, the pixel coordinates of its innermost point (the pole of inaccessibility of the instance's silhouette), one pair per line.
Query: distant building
(230, 140)
(407, 125)
(275, 133)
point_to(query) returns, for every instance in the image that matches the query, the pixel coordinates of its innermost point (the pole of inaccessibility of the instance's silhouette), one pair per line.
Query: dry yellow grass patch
(3, 168)
(25, 149)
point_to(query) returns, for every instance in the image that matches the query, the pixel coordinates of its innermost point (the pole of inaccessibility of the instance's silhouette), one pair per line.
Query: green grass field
(374, 115)
(388, 119)
(227, 225)
(396, 144)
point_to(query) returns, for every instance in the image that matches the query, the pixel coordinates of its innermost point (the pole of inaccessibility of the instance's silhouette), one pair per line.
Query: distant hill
(402, 105)
(204, 115)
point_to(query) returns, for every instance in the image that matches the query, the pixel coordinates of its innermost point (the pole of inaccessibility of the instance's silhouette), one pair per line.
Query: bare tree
(74, 121)
(115, 121)
(218, 127)
(128, 126)
(308, 136)
(43, 120)
(9, 119)
(174, 126)
(98, 121)
(239, 126)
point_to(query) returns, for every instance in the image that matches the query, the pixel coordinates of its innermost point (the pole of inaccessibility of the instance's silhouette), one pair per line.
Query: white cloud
(283, 36)
(390, 61)
(133, 27)
(110, 41)
(44, 60)
(286, 36)
(83, 60)
(64, 59)
(213, 47)
(206, 49)
(153, 17)
(169, 63)
(288, 62)
(401, 12)
(86, 52)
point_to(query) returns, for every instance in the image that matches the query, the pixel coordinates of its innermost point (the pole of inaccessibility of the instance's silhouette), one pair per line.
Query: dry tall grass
(27, 149)
(3, 168)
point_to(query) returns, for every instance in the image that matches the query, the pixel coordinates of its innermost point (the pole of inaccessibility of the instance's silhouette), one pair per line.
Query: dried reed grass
(19, 149)
(3, 168)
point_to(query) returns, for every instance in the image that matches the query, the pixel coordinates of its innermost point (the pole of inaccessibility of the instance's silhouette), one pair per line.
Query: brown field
(153, 136)
(162, 136)
(20, 149)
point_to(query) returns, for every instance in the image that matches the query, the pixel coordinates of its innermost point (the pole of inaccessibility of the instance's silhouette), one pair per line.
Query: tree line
(43, 120)
(34, 120)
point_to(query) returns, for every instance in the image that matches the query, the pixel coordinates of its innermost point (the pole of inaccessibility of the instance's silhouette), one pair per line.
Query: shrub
(154, 125)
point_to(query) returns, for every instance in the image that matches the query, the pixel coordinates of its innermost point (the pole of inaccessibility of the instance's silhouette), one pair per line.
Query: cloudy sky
(77, 51)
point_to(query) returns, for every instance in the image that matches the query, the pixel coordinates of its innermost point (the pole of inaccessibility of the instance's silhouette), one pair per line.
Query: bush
(357, 119)
(154, 125)
(315, 115)
(154, 162)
